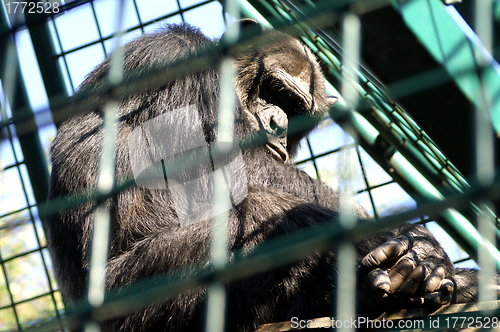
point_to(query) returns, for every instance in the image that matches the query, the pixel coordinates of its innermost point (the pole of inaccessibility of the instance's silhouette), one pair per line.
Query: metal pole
(484, 150)
(46, 56)
(216, 293)
(15, 91)
(105, 184)
(346, 283)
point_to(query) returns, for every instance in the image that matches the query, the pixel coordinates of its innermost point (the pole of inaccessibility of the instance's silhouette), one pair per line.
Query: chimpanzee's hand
(410, 269)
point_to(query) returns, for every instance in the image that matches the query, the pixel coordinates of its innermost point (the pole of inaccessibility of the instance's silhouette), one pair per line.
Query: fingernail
(417, 301)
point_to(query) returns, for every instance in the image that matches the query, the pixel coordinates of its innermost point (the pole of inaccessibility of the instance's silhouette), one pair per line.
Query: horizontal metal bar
(267, 256)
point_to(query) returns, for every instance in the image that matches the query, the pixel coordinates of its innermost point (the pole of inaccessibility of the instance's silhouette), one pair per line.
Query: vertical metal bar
(219, 245)
(99, 32)
(15, 91)
(181, 11)
(350, 58)
(34, 157)
(66, 66)
(105, 183)
(32, 218)
(346, 284)
(367, 183)
(484, 148)
(141, 25)
(43, 45)
(223, 141)
(216, 295)
(102, 221)
(313, 157)
(3, 116)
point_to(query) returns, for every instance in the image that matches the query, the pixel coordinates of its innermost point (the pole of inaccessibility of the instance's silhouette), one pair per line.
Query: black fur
(146, 236)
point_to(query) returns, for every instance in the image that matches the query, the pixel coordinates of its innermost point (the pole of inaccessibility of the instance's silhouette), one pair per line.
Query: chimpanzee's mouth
(277, 150)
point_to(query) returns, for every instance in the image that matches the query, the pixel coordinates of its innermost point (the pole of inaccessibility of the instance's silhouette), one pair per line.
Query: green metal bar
(453, 224)
(449, 45)
(136, 8)
(37, 235)
(367, 184)
(313, 157)
(219, 247)
(454, 219)
(106, 179)
(2, 261)
(249, 11)
(346, 279)
(63, 56)
(46, 56)
(99, 32)
(456, 223)
(34, 156)
(366, 131)
(270, 255)
(484, 156)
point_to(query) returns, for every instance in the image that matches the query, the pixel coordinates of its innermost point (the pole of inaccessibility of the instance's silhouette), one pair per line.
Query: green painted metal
(46, 56)
(249, 11)
(466, 233)
(448, 44)
(401, 128)
(363, 127)
(34, 156)
(454, 218)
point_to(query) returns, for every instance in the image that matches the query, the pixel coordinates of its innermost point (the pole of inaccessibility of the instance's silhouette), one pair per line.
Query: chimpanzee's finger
(399, 272)
(413, 282)
(444, 293)
(386, 252)
(380, 281)
(433, 282)
(443, 288)
(437, 299)
(447, 286)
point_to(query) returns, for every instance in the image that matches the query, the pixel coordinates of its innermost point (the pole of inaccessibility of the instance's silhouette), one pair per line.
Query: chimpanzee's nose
(278, 123)
(274, 124)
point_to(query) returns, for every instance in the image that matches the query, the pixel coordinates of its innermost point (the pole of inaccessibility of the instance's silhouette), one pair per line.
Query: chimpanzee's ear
(248, 22)
(331, 100)
(247, 28)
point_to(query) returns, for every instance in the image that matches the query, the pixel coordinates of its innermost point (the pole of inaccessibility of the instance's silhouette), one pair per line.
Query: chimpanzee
(164, 224)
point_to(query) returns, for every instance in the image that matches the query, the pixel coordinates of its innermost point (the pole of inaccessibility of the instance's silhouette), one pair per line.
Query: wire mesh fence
(391, 162)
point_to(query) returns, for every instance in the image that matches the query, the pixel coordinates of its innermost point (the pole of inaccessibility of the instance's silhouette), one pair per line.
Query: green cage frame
(382, 127)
